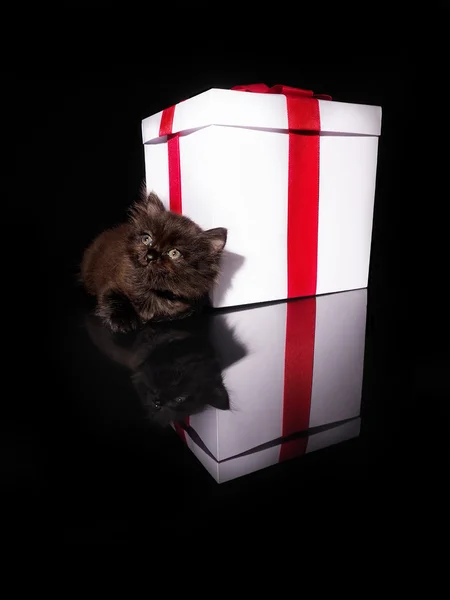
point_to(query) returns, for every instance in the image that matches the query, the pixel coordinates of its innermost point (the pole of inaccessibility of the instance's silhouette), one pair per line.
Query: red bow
(287, 90)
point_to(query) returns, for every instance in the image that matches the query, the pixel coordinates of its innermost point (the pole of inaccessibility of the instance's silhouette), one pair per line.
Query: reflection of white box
(303, 370)
(244, 464)
(298, 205)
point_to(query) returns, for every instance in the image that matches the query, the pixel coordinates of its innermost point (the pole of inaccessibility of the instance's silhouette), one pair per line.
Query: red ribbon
(298, 374)
(262, 88)
(173, 150)
(303, 181)
(180, 431)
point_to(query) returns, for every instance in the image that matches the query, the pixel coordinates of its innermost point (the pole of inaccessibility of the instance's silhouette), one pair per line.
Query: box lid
(234, 108)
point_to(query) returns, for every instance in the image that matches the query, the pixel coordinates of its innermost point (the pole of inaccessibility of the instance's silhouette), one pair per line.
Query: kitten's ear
(220, 398)
(147, 205)
(217, 238)
(153, 204)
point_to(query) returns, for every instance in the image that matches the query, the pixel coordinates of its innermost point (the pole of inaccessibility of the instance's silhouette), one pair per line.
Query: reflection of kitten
(158, 265)
(174, 367)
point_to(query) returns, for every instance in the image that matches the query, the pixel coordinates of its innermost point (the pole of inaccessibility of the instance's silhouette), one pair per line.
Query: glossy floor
(279, 409)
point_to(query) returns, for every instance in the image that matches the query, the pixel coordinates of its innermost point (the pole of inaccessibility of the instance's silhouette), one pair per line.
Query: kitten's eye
(174, 253)
(180, 399)
(146, 239)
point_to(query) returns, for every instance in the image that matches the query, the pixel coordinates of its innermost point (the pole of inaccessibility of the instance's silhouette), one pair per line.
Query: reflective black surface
(84, 459)
(88, 462)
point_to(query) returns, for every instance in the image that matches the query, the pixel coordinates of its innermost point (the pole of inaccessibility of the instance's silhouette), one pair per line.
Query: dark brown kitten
(158, 265)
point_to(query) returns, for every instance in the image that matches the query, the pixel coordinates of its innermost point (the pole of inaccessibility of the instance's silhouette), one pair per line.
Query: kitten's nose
(152, 255)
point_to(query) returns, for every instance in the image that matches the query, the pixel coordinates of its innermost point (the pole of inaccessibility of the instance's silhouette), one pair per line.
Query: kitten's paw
(118, 325)
(122, 323)
(118, 313)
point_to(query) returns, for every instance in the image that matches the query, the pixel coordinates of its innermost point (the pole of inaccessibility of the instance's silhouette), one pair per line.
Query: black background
(77, 85)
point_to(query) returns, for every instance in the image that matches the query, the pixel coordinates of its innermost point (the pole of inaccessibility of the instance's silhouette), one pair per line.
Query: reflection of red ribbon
(303, 180)
(298, 374)
(181, 432)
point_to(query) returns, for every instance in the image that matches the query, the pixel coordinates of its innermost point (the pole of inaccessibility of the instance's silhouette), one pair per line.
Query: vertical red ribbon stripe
(173, 150)
(303, 195)
(165, 127)
(303, 215)
(303, 180)
(298, 374)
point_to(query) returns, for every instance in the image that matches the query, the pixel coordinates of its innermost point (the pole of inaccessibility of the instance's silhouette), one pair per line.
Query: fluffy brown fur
(158, 265)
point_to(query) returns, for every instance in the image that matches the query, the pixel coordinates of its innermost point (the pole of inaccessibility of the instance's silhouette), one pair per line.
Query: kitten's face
(171, 252)
(176, 371)
(171, 391)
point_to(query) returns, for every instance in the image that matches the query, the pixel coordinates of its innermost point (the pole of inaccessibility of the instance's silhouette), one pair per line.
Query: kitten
(158, 265)
(174, 367)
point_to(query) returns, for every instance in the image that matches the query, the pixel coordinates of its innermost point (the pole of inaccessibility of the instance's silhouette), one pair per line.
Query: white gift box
(292, 178)
(302, 372)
